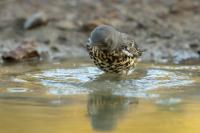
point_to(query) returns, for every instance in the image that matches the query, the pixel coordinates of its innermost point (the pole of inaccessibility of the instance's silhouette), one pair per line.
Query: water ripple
(86, 79)
(17, 90)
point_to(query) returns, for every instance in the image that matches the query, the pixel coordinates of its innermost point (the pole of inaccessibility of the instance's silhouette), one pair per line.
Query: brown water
(76, 97)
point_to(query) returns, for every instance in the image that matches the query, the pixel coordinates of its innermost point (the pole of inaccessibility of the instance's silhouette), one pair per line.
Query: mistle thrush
(112, 51)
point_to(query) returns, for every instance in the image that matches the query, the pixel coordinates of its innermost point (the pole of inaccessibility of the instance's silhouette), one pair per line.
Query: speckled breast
(114, 62)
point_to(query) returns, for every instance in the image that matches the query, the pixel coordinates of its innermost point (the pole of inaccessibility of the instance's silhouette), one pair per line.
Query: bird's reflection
(105, 109)
(107, 103)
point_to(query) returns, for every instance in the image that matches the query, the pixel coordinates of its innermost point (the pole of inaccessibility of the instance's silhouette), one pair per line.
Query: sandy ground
(169, 30)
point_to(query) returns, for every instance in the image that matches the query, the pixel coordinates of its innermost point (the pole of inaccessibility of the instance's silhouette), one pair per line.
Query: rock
(173, 9)
(198, 52)
(162, 34)
(65, 25)
(62, 39)
(55, 49)
(190, 61)
(185, 57)
(194, 45)
(36, 20)
(26, 50)
(141, 25)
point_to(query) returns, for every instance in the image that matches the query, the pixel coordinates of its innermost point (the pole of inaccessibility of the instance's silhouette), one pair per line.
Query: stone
(36, 20)
(26, 50)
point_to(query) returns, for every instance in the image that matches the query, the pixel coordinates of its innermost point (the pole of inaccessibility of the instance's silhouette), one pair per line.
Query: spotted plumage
(112, 52)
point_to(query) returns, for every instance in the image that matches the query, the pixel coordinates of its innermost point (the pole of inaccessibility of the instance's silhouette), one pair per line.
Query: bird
(113, 51)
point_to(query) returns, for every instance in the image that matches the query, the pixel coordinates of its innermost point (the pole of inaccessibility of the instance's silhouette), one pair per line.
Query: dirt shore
(169, 30)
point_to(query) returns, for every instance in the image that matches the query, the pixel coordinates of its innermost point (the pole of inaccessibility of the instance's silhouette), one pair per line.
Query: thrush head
(107, 38)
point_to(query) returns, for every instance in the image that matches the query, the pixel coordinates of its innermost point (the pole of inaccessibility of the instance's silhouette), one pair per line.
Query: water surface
(74, 97)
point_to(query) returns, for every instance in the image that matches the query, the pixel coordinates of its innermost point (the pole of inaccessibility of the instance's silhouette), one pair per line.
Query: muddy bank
(167, 30)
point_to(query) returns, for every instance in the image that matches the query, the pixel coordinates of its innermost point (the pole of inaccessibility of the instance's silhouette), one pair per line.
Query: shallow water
(74, 97)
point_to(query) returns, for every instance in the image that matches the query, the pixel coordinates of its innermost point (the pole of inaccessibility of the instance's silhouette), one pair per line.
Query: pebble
(25, 50)
(36, 20)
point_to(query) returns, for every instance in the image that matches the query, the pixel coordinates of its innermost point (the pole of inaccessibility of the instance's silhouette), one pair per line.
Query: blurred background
(54, 30)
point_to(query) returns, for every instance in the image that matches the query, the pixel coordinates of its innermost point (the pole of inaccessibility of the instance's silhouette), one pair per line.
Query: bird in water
(113, 51)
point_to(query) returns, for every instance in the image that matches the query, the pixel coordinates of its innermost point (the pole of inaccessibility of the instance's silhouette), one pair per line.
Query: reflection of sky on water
(85, 79)
(167, 102)
(161, 78)
(80, 75)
